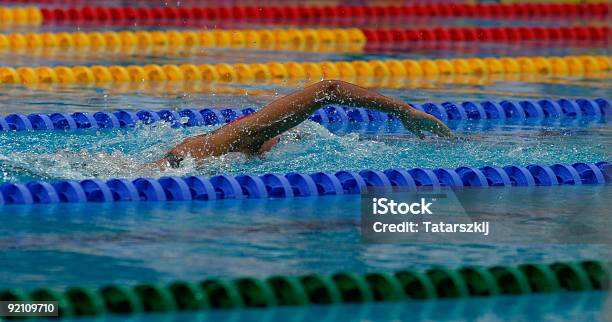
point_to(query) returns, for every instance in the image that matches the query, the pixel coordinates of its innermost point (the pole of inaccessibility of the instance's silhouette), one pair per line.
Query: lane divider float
(433, 84)
(446, 111)
(294, 184)
(20, 16)
(321, 15)
(330, 15)
(486, 34)
(346, 70)
(351, 39)
(317, 289)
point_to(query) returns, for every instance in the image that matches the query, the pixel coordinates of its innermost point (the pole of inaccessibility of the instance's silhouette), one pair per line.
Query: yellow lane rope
(439, 83)
(21, 16)
(576, 66)
(324, 39)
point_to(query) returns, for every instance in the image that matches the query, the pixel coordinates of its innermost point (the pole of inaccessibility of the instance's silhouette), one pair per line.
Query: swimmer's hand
(418, 121)
(156, 166)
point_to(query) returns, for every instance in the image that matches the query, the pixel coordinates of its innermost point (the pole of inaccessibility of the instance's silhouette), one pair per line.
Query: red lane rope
(491, 34)
(167, 3)
(459, 39)
(332, 15)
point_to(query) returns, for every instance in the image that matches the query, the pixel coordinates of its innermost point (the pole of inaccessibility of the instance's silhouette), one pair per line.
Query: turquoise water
(176, 95)
(95, 244)
(557, 307)
(121, 153)
(311, 147)
(82, 244)
(213, 55)
(79, 244)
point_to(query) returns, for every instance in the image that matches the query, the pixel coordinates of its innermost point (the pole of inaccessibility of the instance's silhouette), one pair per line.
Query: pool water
(559, 307)
(125, 243)
(311, 147)
(588, 306)
(81, 244)
(78, 244)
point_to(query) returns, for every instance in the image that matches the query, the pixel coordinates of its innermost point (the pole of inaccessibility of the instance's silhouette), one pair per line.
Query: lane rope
(320, 15)
(547, 35)
(433, 84)
(294, 184)
(310, 15)
(318, 289)
(349, 40)
(540, 109)
(345, 70)
(20, 16)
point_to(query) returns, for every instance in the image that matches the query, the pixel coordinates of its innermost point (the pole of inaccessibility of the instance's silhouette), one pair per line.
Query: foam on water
(309, 148)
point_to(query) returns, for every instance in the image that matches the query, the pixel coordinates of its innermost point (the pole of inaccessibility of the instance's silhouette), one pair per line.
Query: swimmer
(258, 132)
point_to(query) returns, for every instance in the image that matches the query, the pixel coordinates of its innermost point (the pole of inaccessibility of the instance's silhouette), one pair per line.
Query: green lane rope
(344, 287)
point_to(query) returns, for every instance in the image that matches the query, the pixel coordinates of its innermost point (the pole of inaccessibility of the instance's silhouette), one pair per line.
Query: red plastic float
(323, 15)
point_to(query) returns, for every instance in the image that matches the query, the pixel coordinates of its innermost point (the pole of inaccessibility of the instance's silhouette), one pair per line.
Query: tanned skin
(258, 132)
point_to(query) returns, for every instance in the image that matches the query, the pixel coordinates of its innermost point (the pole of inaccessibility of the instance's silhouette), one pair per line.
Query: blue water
(96, 244)
(121, 153)
(311, 147)
(80, 244)
(58, 56)
(557, 307)
(42, 98)
(63, 245)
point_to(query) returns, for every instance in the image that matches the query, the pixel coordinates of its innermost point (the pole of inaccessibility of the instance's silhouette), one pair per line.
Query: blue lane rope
(447, 111)
(298, 184)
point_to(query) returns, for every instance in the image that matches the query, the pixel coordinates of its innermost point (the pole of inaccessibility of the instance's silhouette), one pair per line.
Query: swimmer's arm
(415, 121)
(249, 134)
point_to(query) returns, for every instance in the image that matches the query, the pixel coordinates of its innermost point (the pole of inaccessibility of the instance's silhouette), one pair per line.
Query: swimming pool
(93, 244)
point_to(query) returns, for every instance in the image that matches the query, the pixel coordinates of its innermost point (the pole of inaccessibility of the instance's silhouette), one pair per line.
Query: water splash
(309, 148)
